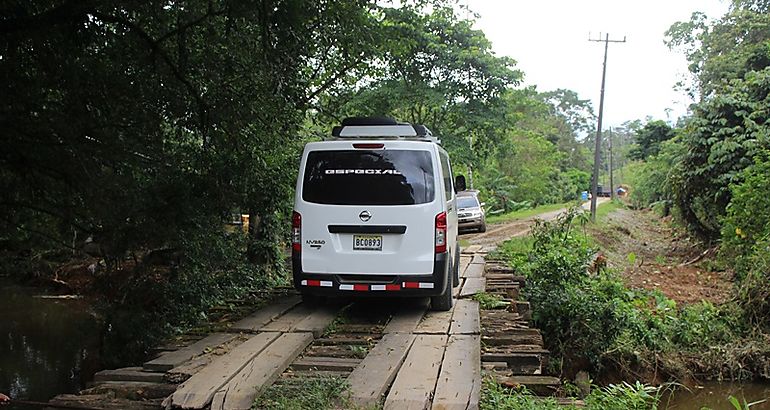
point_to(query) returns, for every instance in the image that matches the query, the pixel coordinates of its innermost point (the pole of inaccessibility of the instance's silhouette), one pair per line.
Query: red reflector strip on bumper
(312, 282)
(357, 287)
(418, 285)
(386, 287)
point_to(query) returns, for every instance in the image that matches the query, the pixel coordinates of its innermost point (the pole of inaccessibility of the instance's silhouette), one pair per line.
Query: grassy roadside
(591, 320)
(522, 244)
(606, 208)
(526, 213)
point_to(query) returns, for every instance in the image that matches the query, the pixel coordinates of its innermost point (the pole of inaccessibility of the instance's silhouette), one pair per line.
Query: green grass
(526, 213)
(508, 250)
(606, 208)
(318, 394)
(635, 396)
(489, 301)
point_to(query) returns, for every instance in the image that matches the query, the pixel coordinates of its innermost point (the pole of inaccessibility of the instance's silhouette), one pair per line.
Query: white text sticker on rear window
(362, 171)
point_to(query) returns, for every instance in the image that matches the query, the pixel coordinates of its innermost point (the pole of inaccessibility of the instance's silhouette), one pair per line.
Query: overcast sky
(549, 41)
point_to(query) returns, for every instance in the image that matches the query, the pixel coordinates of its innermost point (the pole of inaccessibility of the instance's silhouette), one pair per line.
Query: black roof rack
(371, 121)
(405, 129)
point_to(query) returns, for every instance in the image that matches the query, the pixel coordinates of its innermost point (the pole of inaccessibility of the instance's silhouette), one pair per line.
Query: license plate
(367, 242)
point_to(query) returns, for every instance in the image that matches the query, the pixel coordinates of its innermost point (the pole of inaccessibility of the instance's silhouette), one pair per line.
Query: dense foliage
(715, 171)
(133, 133)
(591, 320)
(730, 63)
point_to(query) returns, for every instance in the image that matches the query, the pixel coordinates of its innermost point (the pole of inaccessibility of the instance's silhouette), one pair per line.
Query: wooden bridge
(406, 357)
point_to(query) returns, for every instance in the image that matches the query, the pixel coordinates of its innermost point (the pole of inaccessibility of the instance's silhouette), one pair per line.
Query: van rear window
(386, 177)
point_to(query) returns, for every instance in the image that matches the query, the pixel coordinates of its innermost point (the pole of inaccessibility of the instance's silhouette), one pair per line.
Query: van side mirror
(459, 183)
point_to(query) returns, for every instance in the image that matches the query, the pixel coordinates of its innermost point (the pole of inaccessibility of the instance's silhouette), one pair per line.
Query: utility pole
(612, 183)
(597, 147)
(470, 165)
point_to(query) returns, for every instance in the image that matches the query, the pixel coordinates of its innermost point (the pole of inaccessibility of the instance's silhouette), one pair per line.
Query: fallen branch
(707, 252)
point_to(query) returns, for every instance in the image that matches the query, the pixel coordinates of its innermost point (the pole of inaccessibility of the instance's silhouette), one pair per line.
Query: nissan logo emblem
(365, 216)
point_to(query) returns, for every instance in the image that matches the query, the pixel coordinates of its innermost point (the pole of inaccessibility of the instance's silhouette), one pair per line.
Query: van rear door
(369, 211)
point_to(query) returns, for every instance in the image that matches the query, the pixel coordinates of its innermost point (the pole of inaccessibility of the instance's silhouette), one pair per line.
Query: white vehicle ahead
(375, 214)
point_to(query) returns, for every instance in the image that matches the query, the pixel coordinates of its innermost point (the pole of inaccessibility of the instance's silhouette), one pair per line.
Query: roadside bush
(651, 181)
(579, 315)
(754, 289)
(747, 221)
(746, 240)
(588, 315)
(142, 306)
(615, 396)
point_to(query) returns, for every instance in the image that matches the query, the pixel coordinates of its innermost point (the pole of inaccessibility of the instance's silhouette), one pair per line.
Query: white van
(375, 214)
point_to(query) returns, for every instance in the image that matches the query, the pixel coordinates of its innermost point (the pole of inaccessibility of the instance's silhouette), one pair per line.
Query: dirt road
(498, 233)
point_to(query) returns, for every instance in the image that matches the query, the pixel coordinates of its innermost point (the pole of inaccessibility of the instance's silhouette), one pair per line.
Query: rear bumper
(325, 284)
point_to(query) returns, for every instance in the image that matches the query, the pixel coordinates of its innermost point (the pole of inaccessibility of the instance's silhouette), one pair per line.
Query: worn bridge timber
(413, 358)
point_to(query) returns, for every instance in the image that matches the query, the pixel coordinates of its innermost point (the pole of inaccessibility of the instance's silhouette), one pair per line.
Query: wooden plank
(456, 290)
(261, 372)
(518, 363)
(361, 340)
(326, 363)
(185, 370)
(318, 321)
(465, 320)
(488, 248)
(459, 382)
(406, 320)
(416, 381)
(472, 249)
(436, 323)
(132, 390)
(464, 262)
(198, 391)
(288, 320)
(267, 314)
(168, 361)
(478, 259)
(543, 385)
(473, 286)
(371, 379)
(475, 270)
(105, 401)
(304, 318)
(128, 374)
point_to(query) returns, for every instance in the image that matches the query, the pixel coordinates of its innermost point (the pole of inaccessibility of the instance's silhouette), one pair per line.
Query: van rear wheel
(442, 302)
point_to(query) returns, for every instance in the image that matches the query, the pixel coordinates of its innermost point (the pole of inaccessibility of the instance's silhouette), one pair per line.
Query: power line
(597, 147)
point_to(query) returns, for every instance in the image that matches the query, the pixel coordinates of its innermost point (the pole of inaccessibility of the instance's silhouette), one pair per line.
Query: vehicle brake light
(296, 231)
(441, 229)
(369, 146)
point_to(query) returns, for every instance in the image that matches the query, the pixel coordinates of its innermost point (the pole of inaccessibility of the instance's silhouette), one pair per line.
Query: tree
(136, 123)
(724, 50)
(729, 127)
(649, 138)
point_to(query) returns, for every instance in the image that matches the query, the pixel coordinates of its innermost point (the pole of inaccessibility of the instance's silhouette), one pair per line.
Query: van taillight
(296, 231)
(441, 232)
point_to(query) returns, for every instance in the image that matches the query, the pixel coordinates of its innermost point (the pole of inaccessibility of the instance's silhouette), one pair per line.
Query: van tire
(442, 302)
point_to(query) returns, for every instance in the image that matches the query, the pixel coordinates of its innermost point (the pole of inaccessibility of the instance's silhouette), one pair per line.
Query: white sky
(549, 41)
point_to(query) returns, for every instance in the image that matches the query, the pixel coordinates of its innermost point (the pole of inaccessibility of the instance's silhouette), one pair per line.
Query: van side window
(447, 171)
